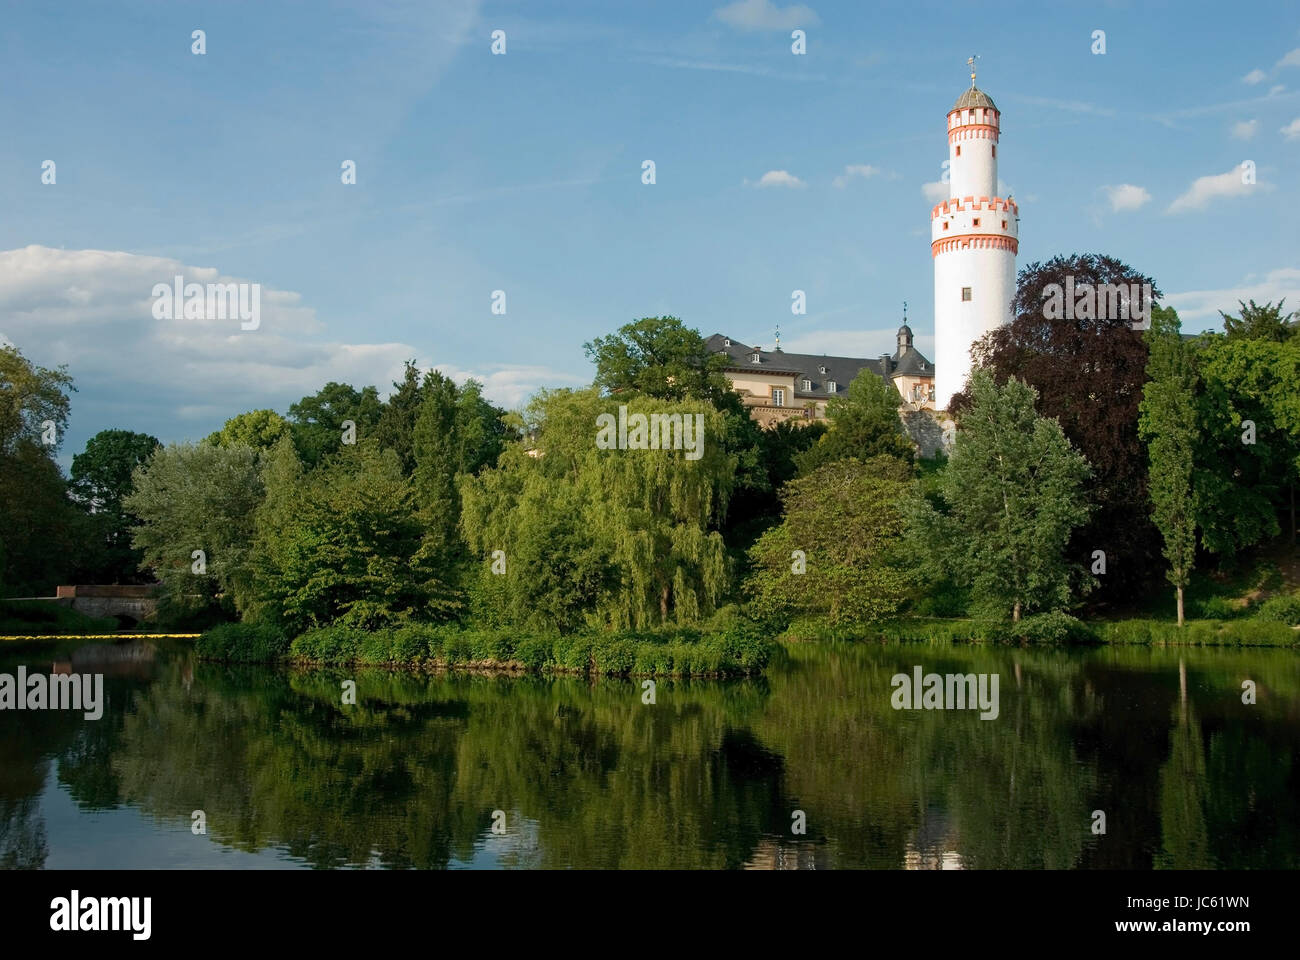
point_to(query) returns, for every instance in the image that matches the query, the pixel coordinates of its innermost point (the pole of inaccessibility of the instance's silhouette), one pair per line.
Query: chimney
(885, 361)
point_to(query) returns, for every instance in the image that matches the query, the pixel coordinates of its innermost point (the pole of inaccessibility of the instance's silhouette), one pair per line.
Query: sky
(522, 172)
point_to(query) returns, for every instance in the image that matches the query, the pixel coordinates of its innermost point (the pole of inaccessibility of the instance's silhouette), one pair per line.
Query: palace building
(777, 386)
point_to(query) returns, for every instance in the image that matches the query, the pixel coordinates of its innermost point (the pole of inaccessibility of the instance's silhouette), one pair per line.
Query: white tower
(974, 241)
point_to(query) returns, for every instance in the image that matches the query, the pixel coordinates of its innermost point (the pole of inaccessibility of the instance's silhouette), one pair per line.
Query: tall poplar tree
(1168, 424)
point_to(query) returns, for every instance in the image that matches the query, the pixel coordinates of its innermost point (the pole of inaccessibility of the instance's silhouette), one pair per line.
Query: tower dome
(974, 97)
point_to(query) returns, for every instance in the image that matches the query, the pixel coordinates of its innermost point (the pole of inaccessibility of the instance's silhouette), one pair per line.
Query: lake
(810, 766)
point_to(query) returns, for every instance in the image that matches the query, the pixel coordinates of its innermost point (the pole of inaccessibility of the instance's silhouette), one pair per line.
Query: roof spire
(971, 60)
(904, 311)
(778, 336)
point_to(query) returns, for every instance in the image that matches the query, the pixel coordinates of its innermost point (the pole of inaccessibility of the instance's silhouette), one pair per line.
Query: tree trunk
(1180, 605)
(1292, 513)
(663, 604)
(1015, 613)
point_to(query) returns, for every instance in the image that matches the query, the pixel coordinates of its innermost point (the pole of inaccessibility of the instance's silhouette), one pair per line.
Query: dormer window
(807, 385)
(726, 341)
(822, 368)
(830, 386)
(753, 357)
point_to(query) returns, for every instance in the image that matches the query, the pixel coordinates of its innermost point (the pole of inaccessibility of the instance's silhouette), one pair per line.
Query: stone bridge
(128, 603)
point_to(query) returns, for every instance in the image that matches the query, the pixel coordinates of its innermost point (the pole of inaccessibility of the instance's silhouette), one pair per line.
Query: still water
(583, 774)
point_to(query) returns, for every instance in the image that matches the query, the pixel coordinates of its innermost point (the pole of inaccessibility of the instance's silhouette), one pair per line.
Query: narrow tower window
(976, 221)
(965, 293)
(959, 149)
(995, 151)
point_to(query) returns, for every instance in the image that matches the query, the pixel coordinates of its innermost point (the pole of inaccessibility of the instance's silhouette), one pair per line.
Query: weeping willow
(619, 538)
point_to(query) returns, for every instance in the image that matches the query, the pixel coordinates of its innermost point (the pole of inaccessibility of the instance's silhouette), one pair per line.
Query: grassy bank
(1057, 628)
(737, 650)
(32, 617)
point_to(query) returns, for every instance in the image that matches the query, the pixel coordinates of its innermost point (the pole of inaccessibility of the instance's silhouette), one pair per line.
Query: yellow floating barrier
(98, 636)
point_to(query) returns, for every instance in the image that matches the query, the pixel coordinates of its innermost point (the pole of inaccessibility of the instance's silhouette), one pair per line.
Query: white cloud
(1292, 59)
(1245, 129)
(1274, 91)
(777, 178)
(936, 191)
(1125, 196)
(864, 170)
(1292, 130)
(1254, 77)
(1206, 304)
(92, 310)
(1205, 189)
(765, 15)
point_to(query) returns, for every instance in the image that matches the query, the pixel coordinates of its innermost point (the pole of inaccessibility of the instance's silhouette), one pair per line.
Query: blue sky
(522, 173)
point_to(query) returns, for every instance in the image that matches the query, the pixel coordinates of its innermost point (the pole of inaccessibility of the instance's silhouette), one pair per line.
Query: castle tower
(974, 238)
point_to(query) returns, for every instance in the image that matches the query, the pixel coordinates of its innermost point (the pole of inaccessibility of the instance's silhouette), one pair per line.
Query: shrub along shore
(1061, 628)
(738, 650)
(742, 649)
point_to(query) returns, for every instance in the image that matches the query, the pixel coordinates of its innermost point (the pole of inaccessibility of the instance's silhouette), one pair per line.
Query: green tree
(633, 545)
(1013, 493)
(437, 461)
(30, 398)
(830, 555)
(864, 424)
(259, 429)
(1248, 457)
(45, 537)
(191, 497)
(395, 429)
(1256, 322)
(662, 358)
(101, 480)
(783, 442)
(317, 420)
(341, 544)
(1168, 426)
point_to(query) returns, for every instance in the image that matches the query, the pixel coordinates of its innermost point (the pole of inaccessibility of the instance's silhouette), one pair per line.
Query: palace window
(778, 397)
(830, 386)
(807, 385)
(753, 358)
(965, 293)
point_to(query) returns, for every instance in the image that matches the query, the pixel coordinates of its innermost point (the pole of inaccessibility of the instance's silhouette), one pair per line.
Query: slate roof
(807, 366)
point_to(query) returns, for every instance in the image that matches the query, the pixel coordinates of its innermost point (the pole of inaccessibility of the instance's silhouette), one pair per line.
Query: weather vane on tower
(971, 60)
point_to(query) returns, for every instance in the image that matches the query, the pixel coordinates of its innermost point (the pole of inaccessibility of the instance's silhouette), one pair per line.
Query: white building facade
(974, 239)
